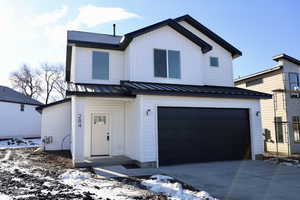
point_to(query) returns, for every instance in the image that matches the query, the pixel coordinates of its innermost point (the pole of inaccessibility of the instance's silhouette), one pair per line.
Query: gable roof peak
(210, 34)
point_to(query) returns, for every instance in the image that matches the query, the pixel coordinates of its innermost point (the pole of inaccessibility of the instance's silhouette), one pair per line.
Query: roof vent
(114, 29)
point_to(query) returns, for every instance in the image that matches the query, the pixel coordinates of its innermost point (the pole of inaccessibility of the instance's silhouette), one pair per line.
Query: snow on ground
(28, 174)
(19, 143)
(5, 197)
(165, 185)
(283, 161)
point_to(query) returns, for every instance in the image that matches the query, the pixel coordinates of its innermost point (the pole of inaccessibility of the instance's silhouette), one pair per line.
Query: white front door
(100, 134)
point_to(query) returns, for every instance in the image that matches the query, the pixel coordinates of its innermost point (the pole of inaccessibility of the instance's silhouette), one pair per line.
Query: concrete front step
(120, 171)
(105, 161)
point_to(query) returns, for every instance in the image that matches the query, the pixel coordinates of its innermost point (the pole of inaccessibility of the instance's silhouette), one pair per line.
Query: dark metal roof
(93, 37)
(286, 57)
(9, 95)
(82, 89)
(197, 25)
(132, 88)
(103, 41)
(53, 103)
(191, 90)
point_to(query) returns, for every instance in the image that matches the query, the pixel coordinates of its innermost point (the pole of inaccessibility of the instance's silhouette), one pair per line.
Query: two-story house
(160, 95)
(280, 115)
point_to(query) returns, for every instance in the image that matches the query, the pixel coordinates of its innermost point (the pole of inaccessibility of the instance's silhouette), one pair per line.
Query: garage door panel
(202, 134)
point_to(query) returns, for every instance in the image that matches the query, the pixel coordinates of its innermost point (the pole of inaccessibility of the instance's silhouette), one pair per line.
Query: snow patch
(5, 197)
(15, 143)
(161, 185)
(73, 176)
(283, 161)
(6, 157)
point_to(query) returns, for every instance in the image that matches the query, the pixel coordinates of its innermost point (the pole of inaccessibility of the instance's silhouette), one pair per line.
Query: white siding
(142, 60)
(136, 63)
(78, 137)
(222, 75)
(115, 109)
(149, 123)
(14, 123)
(81, 136)
(82, 66)
(56, 122)
(133, 146)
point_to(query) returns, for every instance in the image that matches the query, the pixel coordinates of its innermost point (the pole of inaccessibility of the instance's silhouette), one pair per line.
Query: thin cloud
(92, 16)
(44, 38)
(50, 18)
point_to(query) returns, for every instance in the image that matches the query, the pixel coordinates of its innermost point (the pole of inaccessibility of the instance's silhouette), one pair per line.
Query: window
(22, 106)
(214, 61)
(166, 63)
(296, 128)
(100, 63)
(294, 83)
(279, 129)
(254, 82)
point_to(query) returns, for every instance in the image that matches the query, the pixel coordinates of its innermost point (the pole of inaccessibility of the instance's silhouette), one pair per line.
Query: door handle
(107, 138)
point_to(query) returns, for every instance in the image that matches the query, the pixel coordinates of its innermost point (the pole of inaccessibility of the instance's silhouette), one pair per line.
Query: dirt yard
(30, 174)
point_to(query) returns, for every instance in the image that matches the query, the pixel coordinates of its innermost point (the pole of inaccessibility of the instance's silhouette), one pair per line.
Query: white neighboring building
(161, 95)
(18, 115)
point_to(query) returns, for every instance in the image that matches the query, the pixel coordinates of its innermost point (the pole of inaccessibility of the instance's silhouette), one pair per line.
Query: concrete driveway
(240, 180)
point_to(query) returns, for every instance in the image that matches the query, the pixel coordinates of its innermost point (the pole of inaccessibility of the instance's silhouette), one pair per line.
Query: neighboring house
(161, 95)
(280, 115)
(18, 117)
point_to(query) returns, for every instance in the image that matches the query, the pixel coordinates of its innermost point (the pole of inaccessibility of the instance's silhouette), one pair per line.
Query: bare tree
(61, 87)
(52, 76)
(27, 81)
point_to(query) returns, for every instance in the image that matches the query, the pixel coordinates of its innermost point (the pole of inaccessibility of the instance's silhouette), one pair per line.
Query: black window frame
(166, 72)
(211, 62)
(279, 129)
(99, 76)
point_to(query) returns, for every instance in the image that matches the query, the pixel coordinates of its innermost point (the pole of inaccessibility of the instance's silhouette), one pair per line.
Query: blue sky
(33, 31)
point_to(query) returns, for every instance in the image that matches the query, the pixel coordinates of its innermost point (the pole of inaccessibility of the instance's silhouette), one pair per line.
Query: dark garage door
(187, 135)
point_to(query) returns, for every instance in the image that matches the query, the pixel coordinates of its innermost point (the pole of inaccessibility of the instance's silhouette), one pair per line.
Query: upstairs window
(214, 61)
(22, 106)
(254, 82)
(166, 63)
(294, 83)
(296, 129)
(100, 65)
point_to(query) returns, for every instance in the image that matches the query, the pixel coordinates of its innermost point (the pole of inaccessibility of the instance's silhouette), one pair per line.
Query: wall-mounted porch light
(148, 112)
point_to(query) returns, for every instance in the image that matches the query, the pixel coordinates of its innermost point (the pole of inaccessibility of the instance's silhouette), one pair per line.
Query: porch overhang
(132, 88)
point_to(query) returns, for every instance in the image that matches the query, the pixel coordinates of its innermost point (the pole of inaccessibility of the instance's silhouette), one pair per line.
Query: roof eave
(193, 94)
(258, 74)
(197, 25)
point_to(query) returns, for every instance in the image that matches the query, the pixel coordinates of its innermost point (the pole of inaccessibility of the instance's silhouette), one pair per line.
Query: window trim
(294, 95)
(293, 129)
(210, 63)
(101, 79)
(167, 63)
